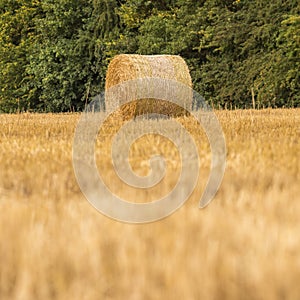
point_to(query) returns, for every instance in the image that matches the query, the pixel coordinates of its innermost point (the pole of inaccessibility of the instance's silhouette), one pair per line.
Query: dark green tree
(17, 34)
(57, 63)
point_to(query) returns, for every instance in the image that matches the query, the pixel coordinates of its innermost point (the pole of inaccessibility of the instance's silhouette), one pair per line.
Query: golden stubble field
(244, 245)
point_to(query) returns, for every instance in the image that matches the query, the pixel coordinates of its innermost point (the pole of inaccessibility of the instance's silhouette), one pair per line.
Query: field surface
(244, 245)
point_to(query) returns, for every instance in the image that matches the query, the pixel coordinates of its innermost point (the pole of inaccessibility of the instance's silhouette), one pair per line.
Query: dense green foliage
(54, 53)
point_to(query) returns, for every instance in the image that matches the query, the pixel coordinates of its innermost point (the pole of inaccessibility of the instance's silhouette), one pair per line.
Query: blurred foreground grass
(244, 245)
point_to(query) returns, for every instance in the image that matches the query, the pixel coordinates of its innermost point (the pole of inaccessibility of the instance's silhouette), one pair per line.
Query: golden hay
(126, 67)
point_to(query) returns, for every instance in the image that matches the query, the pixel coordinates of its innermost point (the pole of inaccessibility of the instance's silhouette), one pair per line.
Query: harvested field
(244, 245)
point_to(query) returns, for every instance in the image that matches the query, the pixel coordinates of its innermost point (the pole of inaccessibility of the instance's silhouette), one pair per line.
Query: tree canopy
(54, 53)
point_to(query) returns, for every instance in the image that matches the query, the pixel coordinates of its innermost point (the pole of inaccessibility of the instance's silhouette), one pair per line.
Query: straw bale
(126, 67)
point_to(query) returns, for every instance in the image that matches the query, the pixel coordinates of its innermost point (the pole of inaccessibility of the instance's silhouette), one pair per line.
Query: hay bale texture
(126, 67)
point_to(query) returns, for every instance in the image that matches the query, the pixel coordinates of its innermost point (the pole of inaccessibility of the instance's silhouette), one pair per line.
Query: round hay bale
(126, 67)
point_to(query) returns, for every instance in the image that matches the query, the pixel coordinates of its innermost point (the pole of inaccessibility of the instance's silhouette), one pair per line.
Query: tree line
(54, 53)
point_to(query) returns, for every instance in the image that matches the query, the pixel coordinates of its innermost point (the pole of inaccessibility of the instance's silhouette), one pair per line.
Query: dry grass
(244, 245)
